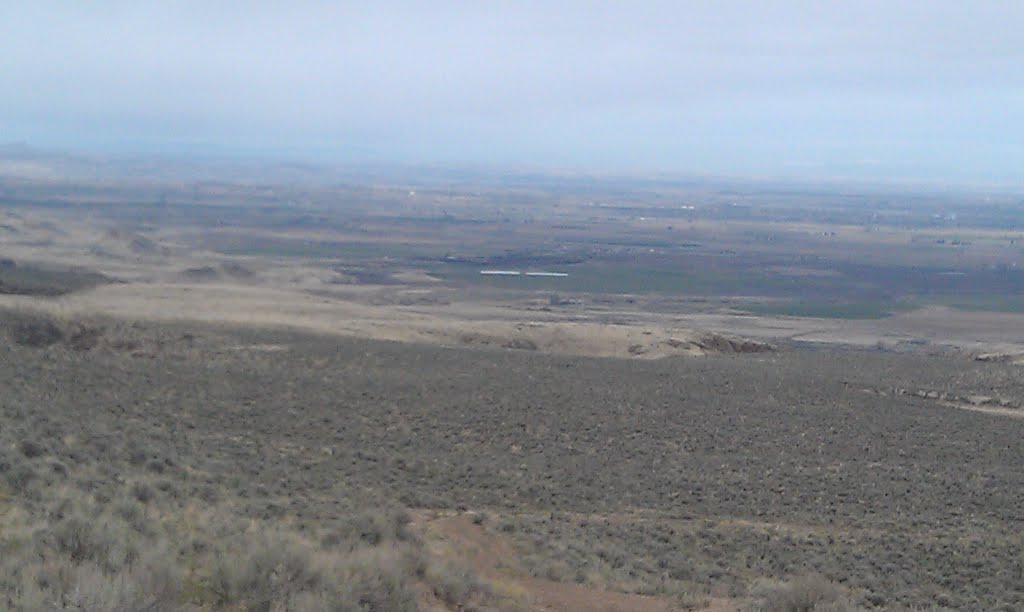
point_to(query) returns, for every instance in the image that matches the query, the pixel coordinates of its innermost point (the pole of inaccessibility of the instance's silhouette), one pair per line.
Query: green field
(316, 249)
(987, 303)
(608, 278)
(885, 308)
(831, 310)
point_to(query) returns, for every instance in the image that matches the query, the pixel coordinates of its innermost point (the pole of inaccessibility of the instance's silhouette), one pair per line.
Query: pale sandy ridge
(268, 307)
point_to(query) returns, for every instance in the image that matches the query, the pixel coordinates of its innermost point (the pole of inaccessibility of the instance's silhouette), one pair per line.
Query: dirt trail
(495, 558)
(1015, 413)
(972, 403)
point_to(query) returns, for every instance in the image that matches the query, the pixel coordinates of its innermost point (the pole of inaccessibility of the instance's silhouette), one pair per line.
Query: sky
(893, 90)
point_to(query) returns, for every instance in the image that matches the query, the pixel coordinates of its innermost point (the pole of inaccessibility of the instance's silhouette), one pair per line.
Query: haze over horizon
(867, 90)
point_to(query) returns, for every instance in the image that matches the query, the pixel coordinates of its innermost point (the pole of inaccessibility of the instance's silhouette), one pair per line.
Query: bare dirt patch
(495, 557)
(935, 326)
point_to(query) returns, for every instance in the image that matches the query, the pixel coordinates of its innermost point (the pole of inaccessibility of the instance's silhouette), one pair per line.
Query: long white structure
(518, 273)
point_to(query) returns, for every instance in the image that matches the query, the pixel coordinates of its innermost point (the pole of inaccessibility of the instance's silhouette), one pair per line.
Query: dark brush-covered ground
(698, 475)
(29, 279)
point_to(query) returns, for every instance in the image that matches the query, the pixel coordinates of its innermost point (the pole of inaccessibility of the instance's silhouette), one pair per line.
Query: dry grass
(682, 479)
(802, 594)
(66, 550)
(124, 526)
(69, 551)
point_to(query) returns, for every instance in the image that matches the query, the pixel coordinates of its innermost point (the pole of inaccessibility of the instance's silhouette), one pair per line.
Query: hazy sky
(920, 89)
